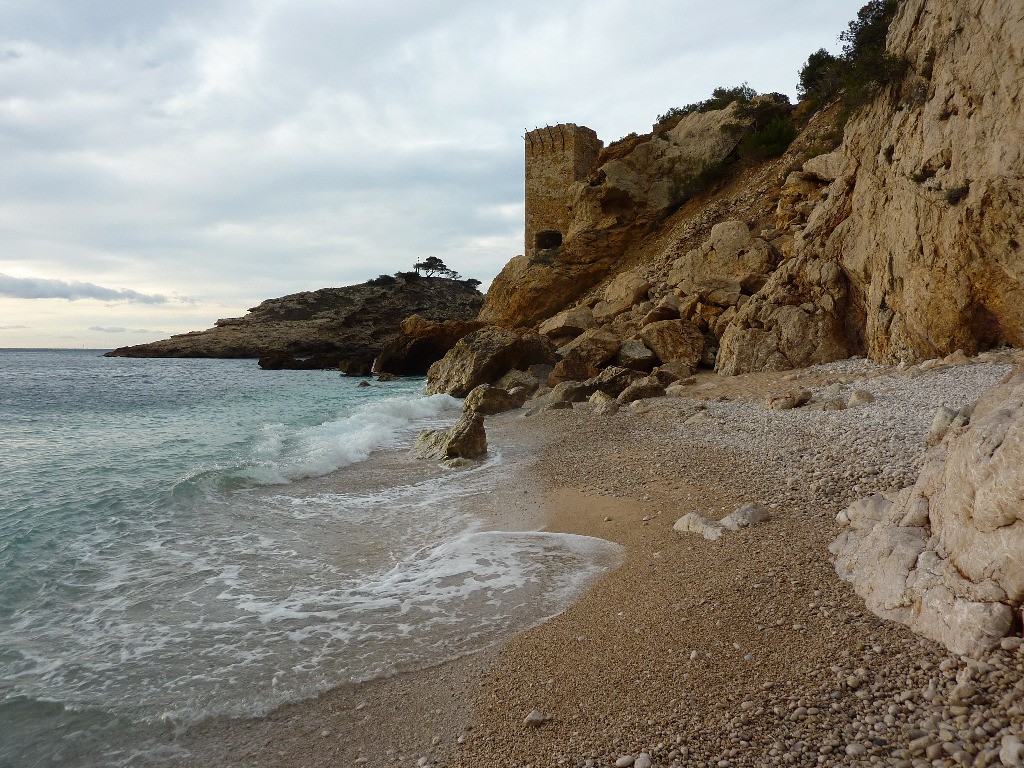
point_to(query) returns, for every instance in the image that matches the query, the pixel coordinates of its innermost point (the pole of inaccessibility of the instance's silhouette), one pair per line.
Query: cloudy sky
(169, 162)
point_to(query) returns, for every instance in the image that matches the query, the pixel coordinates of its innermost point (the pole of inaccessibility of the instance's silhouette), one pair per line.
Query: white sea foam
(284, 453)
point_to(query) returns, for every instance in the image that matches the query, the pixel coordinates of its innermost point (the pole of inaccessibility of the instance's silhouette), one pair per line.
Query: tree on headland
(434, 267)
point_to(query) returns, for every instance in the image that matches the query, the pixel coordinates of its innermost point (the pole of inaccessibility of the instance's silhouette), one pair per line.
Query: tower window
(549, 238)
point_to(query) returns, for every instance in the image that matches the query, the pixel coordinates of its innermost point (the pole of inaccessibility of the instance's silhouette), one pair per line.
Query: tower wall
(556, 157)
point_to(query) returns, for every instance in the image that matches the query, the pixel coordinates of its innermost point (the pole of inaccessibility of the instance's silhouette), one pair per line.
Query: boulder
(568, 324)
(786, 401)
(674, 341)
(571, 368)
(420, 343)
(666, 309)
(594, 347)
(625, 290)
(943, 556)
(730, 252)
(712, 530)
(466, 439)
(859, 397)
(483, 357)
(828, 167)
(488, 400)
(634, 354)
(613, 380)
(641, 389)
(567, 392)
(605, 405)
(519, 379)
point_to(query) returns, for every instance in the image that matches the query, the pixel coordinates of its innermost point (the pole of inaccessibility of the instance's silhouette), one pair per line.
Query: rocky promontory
(349, 326)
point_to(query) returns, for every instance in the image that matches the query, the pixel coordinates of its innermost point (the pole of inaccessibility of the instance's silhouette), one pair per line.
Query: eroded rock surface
(944, 556)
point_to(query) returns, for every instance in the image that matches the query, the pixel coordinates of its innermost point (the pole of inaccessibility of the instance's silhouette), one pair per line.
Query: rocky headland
(348, 326)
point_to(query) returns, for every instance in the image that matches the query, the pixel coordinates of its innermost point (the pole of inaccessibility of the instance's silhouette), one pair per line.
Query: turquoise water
(186, 539)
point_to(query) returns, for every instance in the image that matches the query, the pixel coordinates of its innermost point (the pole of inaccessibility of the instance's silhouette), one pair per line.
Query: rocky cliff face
(329, 325)
(921, 205)
(903, 244)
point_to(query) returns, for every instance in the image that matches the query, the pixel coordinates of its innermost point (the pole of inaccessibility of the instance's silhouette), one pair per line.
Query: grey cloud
(119, 329)
(12, 327)
(39, 288)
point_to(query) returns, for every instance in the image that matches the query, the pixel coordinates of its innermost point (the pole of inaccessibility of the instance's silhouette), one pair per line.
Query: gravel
(747, 651)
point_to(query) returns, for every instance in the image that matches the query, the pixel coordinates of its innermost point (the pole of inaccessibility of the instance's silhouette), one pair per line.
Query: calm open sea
(186, 539)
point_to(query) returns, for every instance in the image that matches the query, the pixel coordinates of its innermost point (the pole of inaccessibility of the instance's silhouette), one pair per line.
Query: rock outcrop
(945, 555)
(466, 439)
(920, 206)
(484, 356)
(420, 343)
(323, 328)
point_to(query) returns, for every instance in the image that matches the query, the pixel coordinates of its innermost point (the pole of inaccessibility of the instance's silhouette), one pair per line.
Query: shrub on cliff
(721, 98)
(770, 141)
(864, 66)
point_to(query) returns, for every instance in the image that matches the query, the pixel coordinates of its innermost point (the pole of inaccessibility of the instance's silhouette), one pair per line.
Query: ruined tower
(556, 157)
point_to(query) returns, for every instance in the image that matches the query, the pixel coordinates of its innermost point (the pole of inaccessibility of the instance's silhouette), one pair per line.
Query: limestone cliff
(326, 326)
(921, 205)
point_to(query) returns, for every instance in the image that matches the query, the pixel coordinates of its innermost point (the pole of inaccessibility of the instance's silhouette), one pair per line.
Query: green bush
(382, 280)
(770, 141)
(721, 98)
(818, 77)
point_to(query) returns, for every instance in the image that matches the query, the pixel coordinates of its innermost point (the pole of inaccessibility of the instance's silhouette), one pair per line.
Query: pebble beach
(744, 651)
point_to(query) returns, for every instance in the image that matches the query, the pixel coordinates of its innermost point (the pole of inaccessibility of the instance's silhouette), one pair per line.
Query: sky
(165, 163)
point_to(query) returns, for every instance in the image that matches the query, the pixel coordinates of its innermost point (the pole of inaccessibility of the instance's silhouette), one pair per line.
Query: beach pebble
(535, 719)
(643, 760)
(626, 761)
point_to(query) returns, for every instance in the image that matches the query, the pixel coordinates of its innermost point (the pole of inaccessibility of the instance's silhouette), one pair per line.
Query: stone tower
(556, 157)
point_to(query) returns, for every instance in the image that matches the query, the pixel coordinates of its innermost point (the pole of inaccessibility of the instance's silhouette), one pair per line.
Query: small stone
(535, 719)
(855, 749)
(642, 761)
(626, 761)
(859, 397)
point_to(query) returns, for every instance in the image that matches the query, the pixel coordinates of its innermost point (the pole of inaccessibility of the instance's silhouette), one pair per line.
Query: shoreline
(407, 716)
(746, 651)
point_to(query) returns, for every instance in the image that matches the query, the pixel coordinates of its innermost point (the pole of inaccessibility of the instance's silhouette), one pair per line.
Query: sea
(183, 540)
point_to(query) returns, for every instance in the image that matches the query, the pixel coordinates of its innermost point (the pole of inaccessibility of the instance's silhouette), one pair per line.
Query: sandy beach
(746, 651)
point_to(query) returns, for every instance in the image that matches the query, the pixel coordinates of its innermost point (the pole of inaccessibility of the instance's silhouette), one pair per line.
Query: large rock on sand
(944, 556)
(488, 400)
(466, 439)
